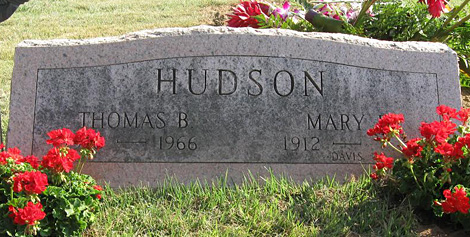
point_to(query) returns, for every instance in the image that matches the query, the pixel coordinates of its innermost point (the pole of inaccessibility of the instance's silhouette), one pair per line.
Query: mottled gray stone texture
(196, 102)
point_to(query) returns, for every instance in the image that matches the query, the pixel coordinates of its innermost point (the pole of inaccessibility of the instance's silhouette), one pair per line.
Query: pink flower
(282, 12)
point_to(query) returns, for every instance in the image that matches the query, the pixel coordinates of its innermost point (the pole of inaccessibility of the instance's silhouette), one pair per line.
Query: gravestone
(197, 102)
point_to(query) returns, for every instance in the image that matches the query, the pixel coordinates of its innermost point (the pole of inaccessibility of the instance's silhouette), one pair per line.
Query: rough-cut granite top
(155, 33)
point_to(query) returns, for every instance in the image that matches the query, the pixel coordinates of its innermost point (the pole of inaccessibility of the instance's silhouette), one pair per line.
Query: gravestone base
(154, 174)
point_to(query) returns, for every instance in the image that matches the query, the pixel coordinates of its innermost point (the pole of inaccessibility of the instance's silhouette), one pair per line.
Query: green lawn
(270, 207)
(79, 19)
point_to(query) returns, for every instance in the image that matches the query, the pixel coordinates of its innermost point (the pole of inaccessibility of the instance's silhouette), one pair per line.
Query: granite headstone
(197, 102)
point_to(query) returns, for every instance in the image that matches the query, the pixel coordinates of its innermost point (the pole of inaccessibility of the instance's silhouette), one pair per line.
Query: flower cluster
(31, 214)
(435, 7)
(25, 182)
(243, 14)
(339, 10)
(439, 156)
(387, 127)
(456, 201)
(30, 182)
(246, 13)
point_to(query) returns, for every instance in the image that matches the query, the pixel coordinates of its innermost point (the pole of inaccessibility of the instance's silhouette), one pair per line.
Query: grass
(275, 206)
(79, 19)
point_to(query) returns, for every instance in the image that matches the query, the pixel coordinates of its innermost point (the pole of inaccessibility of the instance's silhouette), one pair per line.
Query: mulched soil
(466, 97)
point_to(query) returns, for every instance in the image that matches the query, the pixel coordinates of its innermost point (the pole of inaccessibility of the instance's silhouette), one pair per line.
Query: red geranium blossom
(449, 150)
(99, 188)
(463, 115)
(438, 131)
(60, 161)
(389, 123)
(412, 149)
(32, 160)
(382, 161)
(61, 137)
(456, 201)
(31, 182)
(374, 176)
(27, 215)
(446, 112)
(243, 14)
(13, 153)
(89, 139)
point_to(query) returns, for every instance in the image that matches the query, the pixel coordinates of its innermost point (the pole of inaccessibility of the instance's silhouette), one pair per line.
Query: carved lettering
(334, 122)
(190, 84)
(318, 88)
(291, 78)
(160, 80)
(234, 78)
(260, 88)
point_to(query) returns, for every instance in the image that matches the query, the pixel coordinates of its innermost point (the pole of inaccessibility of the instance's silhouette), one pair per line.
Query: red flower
(99, 188)
(30, 214)
(32, 160)
(13, 153)
(457, 201)
(438, 131)
(436, 7)
(463, 115)
(449, 150)
(382, 161)
(59, 161)
(243, 14)
(412, 149)
(61, 137)
(89, 139)
(30, 182)
(446, 112)
(374, 176)
(389, 123)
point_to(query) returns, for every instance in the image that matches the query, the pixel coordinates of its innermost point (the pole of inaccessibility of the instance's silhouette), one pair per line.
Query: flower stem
(414, 176)
(394, 147)
(365, 7)
(445, 33)
(454, 14)
(401, 142)
(81, 168)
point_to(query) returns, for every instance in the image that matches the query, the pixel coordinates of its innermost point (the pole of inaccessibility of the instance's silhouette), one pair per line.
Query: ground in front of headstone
(466, 97)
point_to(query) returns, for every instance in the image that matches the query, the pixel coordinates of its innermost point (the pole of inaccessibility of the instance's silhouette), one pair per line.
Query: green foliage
(70, 205)
(296, 23)
(305, 4)
(428, 165)
(398, 21)
(70, 202)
